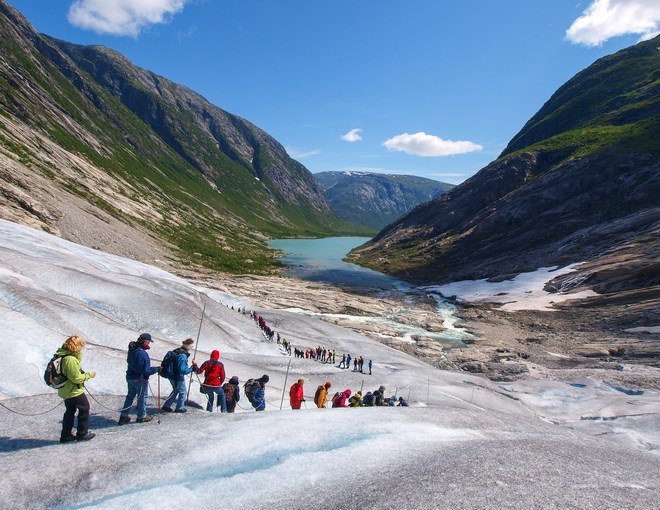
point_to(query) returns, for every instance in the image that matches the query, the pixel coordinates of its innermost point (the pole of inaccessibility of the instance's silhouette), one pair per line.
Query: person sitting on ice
(355, 400)
(369, 400)
(402, 402)
(392, 401)
(380, 396)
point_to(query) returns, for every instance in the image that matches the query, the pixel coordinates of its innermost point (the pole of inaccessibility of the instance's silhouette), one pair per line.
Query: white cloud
(297, 154)
(122, 17)
(352, 135)
(421, 144)
(604, 19)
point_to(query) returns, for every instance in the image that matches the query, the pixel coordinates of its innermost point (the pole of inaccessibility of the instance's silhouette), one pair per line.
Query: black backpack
(53, 375)
(251, 386)
(168, 365)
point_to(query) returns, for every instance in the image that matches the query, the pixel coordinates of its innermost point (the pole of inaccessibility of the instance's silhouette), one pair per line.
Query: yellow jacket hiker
(73, 391)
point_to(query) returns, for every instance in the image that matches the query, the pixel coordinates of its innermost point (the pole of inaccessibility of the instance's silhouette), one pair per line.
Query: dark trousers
(80, 404)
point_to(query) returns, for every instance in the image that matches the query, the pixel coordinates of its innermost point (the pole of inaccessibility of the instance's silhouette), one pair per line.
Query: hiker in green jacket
(73, 391)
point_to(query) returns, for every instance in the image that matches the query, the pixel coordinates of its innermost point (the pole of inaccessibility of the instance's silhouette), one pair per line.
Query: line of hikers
(320, 354)
(174, 367)
(342, 399)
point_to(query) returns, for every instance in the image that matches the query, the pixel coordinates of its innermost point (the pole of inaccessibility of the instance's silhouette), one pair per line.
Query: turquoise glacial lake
(320, 260)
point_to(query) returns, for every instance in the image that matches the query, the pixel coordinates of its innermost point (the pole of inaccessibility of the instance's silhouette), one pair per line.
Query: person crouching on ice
(180, 370)
(296, 393)
(73, 392)
(214, 376)
(340, 399)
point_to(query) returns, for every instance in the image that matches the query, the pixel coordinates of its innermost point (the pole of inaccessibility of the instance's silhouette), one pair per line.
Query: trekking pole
(408, 394)
(284, 387)
(158, 398)
(428, 390)
(195, 354)
(361, 386)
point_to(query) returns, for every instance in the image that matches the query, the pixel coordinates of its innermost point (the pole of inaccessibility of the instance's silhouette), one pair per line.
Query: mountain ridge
(100, 151)
(561, 199)
(374, 199)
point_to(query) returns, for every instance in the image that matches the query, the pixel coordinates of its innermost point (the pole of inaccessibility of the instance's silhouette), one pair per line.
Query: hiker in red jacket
(214, 376)
(296, 394)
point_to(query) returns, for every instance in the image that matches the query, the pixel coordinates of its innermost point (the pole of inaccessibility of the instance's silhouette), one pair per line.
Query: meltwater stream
(321, 260)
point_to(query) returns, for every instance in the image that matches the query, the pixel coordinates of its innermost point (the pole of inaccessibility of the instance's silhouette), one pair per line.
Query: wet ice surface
(474, 444)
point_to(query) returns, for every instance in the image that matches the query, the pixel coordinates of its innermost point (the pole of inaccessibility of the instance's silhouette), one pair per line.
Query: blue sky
(432, 88)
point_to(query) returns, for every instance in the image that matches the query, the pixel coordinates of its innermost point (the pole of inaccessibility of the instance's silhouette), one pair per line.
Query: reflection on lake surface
(320, 260)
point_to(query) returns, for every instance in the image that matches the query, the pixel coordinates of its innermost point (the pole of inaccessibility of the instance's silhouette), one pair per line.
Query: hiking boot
(184, 410)
(145, 419)
(166, 409)
(124, 419)
(89, 436)
(67, 439)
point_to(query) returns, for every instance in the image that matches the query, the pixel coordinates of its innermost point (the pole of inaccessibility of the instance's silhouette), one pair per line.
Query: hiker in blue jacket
(177, 378)
(137, 378)
(259, 398)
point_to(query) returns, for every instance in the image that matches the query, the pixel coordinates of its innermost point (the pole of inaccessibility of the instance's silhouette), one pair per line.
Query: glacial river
(320, 260)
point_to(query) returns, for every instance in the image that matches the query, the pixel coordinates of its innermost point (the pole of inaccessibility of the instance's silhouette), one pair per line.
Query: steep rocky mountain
(580, 182)
(375, 200)
(110, 155)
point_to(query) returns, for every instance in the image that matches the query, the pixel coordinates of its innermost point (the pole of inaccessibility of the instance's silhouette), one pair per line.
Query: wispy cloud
(352, 136)
(604, 19)
(122, 17)
(298, 154)
(187, 34)
(421, 144)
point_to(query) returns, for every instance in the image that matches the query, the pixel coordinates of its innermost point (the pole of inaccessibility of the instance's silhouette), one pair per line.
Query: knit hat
(264, 378)
(328, 384)
(145, 337)
(188, 343)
